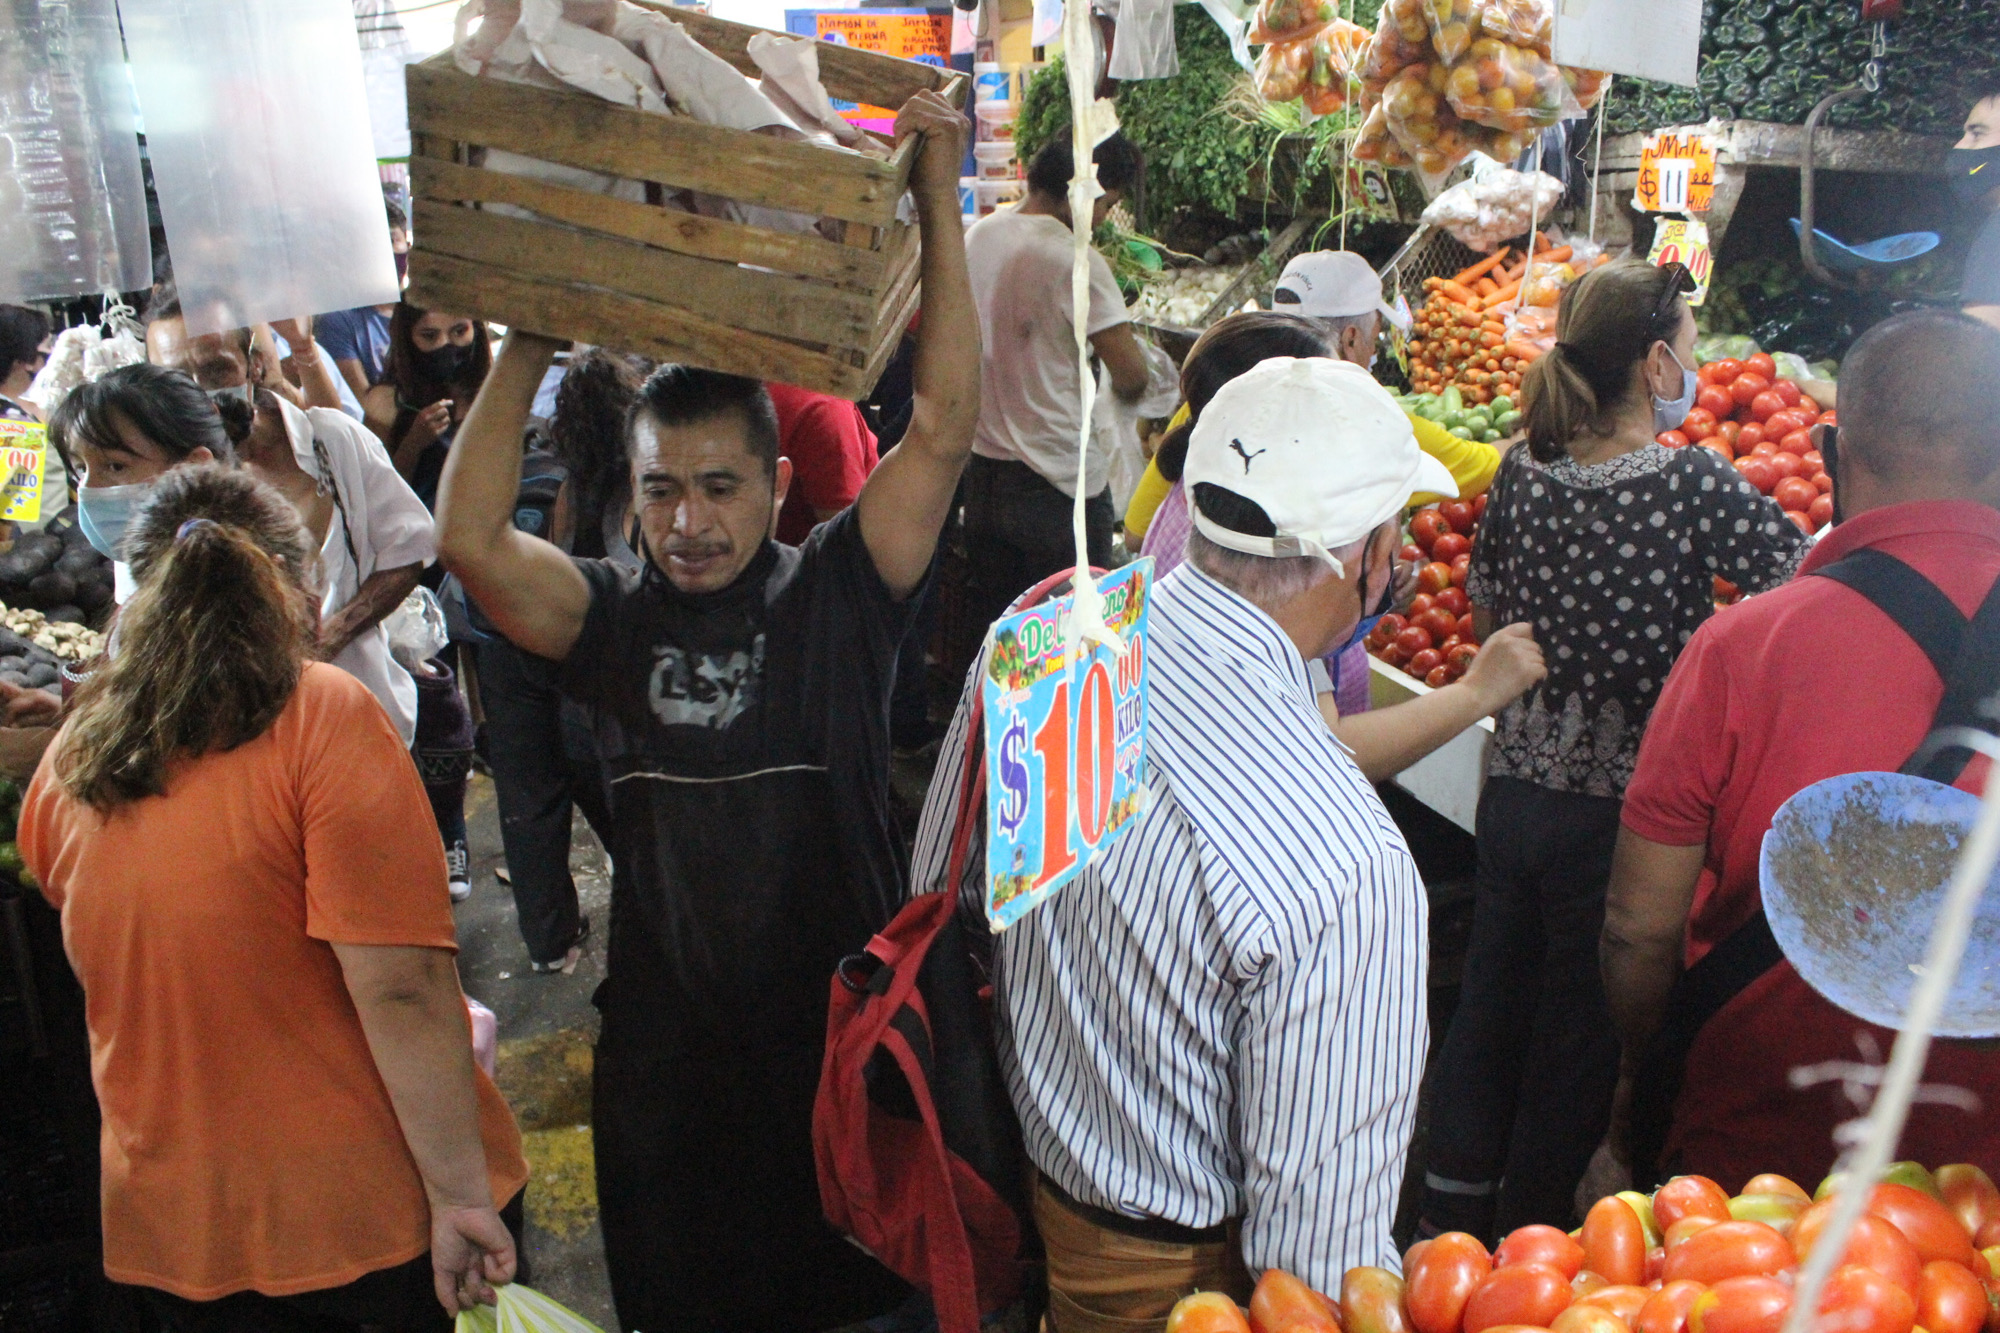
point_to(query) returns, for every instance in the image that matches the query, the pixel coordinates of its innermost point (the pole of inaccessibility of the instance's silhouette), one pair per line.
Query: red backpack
(918, 1147)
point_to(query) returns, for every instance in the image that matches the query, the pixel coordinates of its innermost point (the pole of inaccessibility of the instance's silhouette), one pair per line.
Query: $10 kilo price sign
(1065, 744)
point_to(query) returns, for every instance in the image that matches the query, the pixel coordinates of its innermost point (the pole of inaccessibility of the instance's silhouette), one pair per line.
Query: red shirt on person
(1802, 683)
(832, 452)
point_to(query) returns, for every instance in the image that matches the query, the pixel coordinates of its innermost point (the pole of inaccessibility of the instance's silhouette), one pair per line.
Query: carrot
(1542, 242)
(1559, 255)
(1493, 326)
(1458, 293)
(1521, 352)
(1486, 287)
(1507, 293)
(1464, 277)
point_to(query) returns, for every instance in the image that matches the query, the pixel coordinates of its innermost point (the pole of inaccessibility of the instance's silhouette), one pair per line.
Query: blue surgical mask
(105, 512)
(1671, 414)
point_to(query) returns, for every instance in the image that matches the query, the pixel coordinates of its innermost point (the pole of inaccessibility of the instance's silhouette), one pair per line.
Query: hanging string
(1597, 154)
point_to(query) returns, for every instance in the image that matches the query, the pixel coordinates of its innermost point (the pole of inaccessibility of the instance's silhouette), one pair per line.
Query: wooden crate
(796, 308)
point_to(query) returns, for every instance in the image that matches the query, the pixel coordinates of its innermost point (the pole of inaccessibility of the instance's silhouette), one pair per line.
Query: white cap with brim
(1331, 284)
(1319, 446)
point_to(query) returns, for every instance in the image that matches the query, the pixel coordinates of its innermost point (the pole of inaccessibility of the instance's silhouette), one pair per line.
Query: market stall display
(56, 571)
(1433, 640)
(1480, 329)
(1761, 421)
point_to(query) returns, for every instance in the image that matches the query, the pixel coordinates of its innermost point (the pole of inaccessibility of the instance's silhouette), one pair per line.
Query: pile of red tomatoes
(1762, 424)
(1432, 639)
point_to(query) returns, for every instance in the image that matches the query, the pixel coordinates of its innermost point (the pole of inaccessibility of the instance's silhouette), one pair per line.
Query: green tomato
(1502, 405)
(1642, 1204)
(1490, 437)
(1507, 422)
(1453, 400)
(1461, 432)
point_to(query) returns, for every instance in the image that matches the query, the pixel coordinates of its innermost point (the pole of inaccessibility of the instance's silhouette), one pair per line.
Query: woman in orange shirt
(253, 895)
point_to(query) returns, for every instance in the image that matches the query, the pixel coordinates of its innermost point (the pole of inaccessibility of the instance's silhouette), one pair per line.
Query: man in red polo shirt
(1802, 683)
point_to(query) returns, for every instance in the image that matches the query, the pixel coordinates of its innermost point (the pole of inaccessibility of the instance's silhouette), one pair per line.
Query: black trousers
(1521, 1094)
(402, 1299)
(544, 761)
(1017, 533)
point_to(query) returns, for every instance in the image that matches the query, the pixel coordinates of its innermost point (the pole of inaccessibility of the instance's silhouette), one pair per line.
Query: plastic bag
(1529, 23)
(416, 629)
(1451, 26)
(1423, 121)
(1586, 86)
(1291, 20)
(485, 1036)
(1496, 204)
(1376, 144)
(1401, 39)
(1283, 69)
(1145, 47)
(522, 1309)
(1506, 87)
(1336, 50)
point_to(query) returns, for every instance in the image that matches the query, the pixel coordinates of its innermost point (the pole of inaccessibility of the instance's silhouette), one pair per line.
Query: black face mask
(1975, 172)
(445, 363)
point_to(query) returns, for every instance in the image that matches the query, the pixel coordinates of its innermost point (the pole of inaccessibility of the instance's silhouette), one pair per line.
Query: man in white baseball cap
(1338, 288)
(1197, 1107)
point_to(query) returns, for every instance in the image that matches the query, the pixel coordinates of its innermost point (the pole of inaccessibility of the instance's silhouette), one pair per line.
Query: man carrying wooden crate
(739, 689)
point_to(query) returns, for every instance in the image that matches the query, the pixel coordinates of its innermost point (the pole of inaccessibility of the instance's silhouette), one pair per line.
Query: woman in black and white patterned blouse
(1607, 543)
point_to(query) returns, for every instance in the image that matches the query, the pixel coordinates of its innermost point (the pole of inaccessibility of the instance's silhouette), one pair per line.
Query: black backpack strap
(1698, 995)
(1906, 597)
(1969, 686)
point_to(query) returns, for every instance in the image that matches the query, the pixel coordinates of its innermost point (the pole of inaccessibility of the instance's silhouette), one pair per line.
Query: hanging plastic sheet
(72, 204)
(257, 124)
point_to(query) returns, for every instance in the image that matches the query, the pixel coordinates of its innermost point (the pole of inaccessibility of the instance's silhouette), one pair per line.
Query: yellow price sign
(24, 451)
(1676, 174)
(1679, 242)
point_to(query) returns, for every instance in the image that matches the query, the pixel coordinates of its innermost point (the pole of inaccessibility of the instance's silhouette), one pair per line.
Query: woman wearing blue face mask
(1607, 544)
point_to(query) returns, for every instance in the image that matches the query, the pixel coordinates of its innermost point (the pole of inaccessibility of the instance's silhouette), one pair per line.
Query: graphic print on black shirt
(1613, 566)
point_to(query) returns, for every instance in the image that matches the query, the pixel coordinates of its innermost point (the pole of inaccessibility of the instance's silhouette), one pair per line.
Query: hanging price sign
(1676, 174)
(1065, 744)
(1678, 242)
(24, 451)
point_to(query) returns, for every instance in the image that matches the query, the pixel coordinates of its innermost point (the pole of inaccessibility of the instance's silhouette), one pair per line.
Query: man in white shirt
(1022, 480)
(1214, 1035)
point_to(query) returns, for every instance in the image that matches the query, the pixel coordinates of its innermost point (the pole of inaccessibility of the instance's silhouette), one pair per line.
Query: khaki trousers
(1103, 1281)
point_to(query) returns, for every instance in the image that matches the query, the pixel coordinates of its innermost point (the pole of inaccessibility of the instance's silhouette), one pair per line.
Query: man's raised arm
(903, 506)
(524, 585)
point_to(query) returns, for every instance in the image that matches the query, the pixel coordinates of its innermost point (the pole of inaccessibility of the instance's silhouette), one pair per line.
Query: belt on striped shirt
(1156, 1229)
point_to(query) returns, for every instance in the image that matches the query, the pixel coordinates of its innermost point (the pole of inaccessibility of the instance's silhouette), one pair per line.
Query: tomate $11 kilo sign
(24, 451)
(1056, 729)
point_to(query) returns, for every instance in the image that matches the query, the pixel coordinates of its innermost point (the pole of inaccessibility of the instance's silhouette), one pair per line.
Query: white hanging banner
(1648, 39)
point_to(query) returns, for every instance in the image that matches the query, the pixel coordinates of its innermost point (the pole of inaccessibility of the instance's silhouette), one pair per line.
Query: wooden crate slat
(847, 72)
(785, 307)
(889, 335)
(669, 228)
(582, 131)
(621, 322)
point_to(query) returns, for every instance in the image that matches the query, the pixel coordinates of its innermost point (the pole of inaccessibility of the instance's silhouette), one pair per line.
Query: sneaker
(567, 963)
(458, 871)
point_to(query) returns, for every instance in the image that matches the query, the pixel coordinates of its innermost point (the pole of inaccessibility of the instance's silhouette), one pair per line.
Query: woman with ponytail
(253, 896)
(1608, 545)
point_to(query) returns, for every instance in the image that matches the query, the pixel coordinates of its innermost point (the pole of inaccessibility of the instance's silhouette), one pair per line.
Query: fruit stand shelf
(1743, 144)
(1447, 779)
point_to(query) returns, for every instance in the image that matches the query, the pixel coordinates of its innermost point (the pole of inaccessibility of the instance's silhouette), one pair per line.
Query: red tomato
(1805, 524)
(1479, 506)
(1950, 1299)
(1625, 1301)
(1830, 417)
(1523, 1293)
(1757, 363)
(1724, 371)
(1455, 601)
(1715, 400)
(1371, 1301)
(1393, 654)
(1540, 1245)
(1815, 464)
(1681, 1230)
(1451, 546)
(1283, 1304)
(1667, 1310)
(1439, 623)
(1764, 450)
(1861, 1300)
(1411, 553)
(1460, 657)
(1700, 424)
(1437, 677)
(1748, 437)
(1589, 1319)
(1970, 1194)
(1742, 1305)
(1435, 577)
(1820, 511)
(1765, 405)
(1787, 464)
(1586, 1282)
(1673, 439)
(1789, 391)
(1614, 1242)
(1726, 1250)
(1798, 442)
(1426, 527)
(1466, 634)
(1459, 514)
(1421, 603)
(1206, 1312)
(1796, 492)
(1689, 1196)
(1793, 418)
(1807, 403)
(1656, 1261)
(1721, 448)
(1461, 569)
(1412, 640)
(1410, 1257)
(1425, 662)
(1875, 1244)
(1930, 1226)
(1759, 473)
(1747, 387)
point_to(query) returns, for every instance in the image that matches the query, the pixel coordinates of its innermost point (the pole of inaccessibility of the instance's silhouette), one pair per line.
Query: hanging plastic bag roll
(519, 1309)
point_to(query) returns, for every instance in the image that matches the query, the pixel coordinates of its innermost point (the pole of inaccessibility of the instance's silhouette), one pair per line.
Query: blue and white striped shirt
(1224, 1016)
